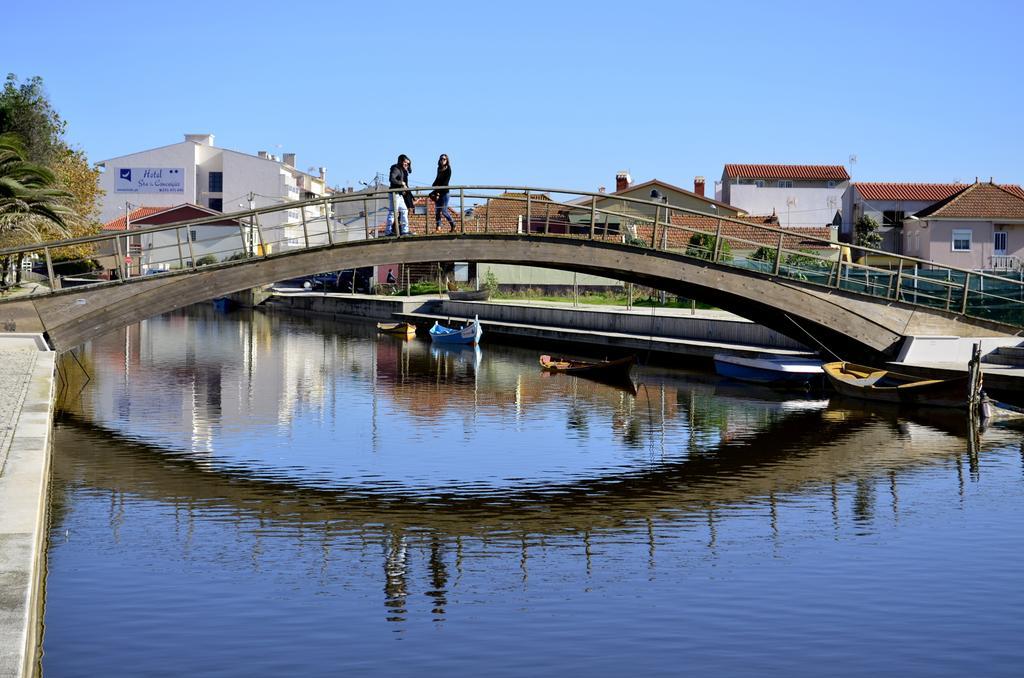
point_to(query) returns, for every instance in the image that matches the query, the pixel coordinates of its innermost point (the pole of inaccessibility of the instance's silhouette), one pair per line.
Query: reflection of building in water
(218, 370)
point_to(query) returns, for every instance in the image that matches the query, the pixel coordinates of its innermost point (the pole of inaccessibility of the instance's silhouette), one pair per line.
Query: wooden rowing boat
(609, 372)
(400, 329)
(868, 383)
(608, 368)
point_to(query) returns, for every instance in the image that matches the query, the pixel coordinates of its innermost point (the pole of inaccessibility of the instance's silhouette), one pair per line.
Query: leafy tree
(763, 253)
(702, 245)
(206, 260)
(866, 229)
(26, 110)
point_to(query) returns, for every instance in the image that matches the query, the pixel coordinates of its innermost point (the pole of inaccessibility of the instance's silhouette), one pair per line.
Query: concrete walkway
(26, 417)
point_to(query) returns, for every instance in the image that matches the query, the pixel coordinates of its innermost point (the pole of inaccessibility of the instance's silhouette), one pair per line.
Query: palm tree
(31, 209)
(28, 197)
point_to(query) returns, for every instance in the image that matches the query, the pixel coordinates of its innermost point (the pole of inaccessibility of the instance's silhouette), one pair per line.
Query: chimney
(289, 159)
(263, 154)
(201, 139)
(323, 174)
(698, 186)
(622, 180)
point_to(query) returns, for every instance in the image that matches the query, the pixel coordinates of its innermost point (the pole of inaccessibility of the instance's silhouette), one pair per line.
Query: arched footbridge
(800, 285)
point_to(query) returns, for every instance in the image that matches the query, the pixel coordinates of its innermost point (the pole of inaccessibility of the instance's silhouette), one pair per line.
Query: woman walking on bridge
(440, 196)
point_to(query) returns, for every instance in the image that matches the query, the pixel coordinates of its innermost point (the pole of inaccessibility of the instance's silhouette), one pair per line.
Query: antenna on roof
(853, 160)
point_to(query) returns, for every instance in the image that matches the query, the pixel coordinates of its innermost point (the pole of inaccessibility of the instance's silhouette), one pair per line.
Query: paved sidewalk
(26, 415)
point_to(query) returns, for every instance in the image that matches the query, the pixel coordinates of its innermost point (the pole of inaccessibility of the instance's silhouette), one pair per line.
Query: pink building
(980, 227)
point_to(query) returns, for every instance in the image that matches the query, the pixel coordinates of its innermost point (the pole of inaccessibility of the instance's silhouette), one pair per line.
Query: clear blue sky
(543, 93)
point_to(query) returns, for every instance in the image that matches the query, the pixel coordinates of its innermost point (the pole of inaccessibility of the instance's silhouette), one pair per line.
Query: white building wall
(181, 156)
(797, 206)
(270, 182)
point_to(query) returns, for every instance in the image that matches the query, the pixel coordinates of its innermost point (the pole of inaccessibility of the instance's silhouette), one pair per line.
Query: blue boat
(782, 370)
(470, 334)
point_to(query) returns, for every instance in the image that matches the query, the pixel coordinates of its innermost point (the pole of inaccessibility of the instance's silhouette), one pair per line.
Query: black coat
(444, 177)
(399, 178)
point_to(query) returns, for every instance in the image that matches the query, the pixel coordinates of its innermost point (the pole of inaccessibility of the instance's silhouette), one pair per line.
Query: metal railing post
(778, 257)
(547, 218)
(188, 241)
(181, 257)
(426, 214)
(259, 232)
(305, 227)
(241, 235)
(327, 223)
(899, 281)
(529, 217)
(654, 229)
(967, 291)
(487, 216)
(462, 211)
(718, 242)
(54, 280)
(366, 220)
(593, 215)
(119, 259)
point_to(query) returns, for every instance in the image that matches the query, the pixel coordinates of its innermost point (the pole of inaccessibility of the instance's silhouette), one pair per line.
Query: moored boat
(785, 370)
(620, 367)
(400, 329)
(610, 372)
(869, 383)
(470, 334)
(470, 295)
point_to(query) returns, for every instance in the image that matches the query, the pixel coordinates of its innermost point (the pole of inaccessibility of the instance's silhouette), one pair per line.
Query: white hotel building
(195, 171)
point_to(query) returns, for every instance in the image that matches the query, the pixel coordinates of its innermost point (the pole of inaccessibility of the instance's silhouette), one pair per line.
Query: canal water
(252, 494)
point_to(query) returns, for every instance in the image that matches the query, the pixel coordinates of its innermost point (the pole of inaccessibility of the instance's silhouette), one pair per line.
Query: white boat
(769, 369)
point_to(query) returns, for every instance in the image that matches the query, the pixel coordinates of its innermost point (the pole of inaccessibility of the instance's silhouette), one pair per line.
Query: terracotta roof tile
(743, 236)
(808, 172)
(979, 201)
(136, 214)
(915, 192)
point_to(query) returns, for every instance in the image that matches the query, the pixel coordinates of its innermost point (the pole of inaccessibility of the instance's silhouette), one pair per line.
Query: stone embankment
(26, 416)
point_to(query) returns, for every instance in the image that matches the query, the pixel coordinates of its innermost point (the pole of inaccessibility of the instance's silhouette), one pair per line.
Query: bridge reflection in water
(330, 445)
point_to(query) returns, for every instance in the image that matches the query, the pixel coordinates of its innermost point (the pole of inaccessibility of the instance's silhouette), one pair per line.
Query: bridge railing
(752, 243)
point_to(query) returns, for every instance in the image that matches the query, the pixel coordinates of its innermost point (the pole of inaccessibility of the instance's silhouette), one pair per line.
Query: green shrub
(206, 260)
(702, 244)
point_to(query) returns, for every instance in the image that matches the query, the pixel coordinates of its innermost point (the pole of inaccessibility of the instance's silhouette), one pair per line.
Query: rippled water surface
(251, 494)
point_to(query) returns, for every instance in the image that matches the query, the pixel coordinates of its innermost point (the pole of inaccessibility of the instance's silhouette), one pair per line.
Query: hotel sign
(150, 180)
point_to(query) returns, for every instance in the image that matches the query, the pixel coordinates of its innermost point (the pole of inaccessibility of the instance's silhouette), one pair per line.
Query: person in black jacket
(444, 177)
(399, 202)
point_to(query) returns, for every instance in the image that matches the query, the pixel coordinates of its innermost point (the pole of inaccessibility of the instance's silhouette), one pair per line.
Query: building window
(759, 183)
(892, 218)
(216, 182)
(217, 204)
(192, 234)
(420, 209)
(999, 243)
(785, 183)
(962, 240)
